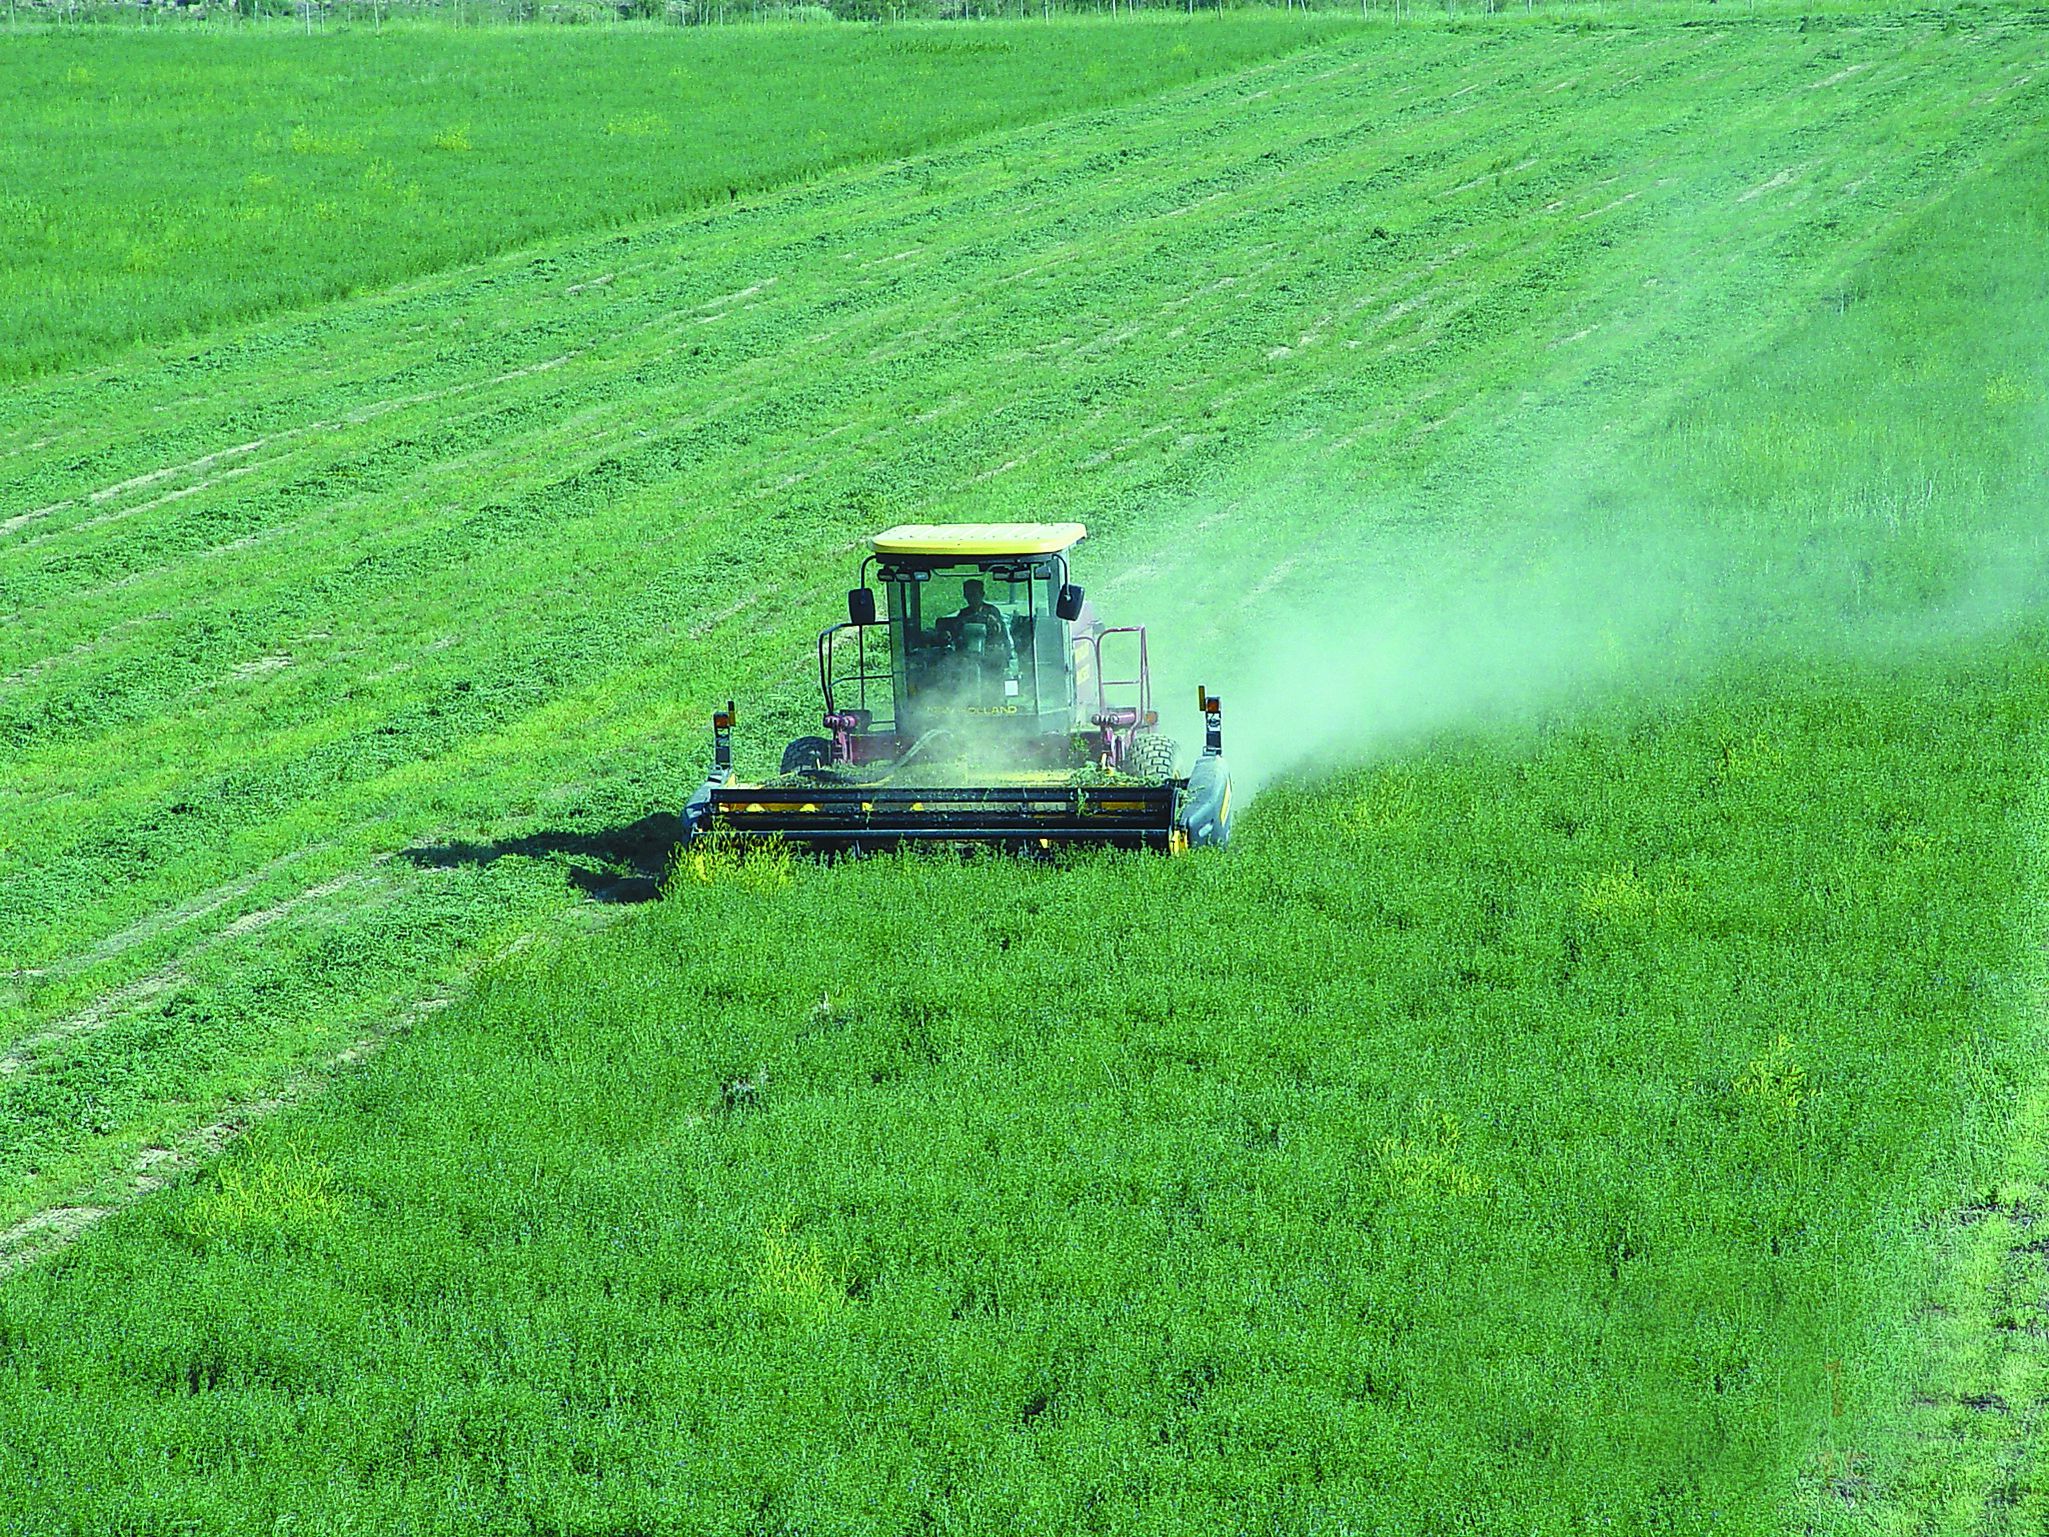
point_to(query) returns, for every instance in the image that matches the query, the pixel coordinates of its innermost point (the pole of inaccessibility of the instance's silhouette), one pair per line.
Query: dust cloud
(1383, 623)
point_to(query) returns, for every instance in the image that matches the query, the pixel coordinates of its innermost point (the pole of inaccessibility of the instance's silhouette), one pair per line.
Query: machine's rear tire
(807, 752)
(1151, 756)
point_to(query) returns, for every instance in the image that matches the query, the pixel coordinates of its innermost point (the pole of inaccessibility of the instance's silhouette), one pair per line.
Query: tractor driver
(980, 613)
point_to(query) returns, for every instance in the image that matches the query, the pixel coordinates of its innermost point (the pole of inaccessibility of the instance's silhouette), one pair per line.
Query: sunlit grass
(257, 171)
(1546, 1122)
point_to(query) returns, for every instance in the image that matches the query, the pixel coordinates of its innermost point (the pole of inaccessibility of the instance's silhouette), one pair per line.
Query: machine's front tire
(807, 752)
(1151, 756)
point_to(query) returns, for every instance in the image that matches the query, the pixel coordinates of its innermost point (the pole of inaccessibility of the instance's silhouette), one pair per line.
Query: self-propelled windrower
(979, 701)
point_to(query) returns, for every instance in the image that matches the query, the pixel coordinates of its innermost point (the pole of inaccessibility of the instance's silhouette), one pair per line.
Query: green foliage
(1519, 1125)
(1424, 1164)
(720, 859)
(964, 1187)
(290, 1192)
(1774, 1083)
(257, 172)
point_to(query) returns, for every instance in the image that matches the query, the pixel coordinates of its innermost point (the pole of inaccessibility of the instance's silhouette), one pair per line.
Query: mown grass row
(160, 184)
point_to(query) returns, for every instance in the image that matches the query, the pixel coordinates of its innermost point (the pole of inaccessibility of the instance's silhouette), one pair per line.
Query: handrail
(1143, 682)
(861, 675)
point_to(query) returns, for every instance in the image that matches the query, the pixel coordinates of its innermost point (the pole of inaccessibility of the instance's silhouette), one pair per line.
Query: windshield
(978, 640)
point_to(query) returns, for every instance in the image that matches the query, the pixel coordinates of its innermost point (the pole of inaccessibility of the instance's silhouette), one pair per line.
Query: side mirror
(861, 605)
(1068, 606)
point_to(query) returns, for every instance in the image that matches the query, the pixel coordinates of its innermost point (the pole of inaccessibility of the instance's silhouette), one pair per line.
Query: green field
(1601, 463)
(260, 170)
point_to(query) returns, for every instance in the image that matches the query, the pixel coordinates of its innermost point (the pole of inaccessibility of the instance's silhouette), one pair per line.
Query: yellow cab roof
(978, 538)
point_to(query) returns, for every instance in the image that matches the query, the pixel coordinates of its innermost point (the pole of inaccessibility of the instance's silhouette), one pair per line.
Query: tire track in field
(81, 649)
(23, 519)
(69, 1216)
(356, 417)
(131, 998)
(150, 477)
(55, 1227)
(162, 921)
(1969, 1449)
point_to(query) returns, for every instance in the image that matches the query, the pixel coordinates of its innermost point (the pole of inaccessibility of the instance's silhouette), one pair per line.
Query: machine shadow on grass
(613, 864)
